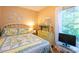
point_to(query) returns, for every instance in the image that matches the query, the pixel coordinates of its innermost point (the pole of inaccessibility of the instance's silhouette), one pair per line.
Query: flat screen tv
(67, 39)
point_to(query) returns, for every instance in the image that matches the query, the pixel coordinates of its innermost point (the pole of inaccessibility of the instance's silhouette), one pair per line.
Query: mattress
(26, 43)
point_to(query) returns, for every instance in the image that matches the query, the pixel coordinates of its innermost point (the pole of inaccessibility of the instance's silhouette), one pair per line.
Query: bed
(17, 38)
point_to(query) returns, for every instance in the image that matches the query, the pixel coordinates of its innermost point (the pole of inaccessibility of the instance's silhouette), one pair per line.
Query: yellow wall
(1, 20)
(12, 14)
(16, 15)
(48, 12)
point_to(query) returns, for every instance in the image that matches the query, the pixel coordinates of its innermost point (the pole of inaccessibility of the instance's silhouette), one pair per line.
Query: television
(67, 39)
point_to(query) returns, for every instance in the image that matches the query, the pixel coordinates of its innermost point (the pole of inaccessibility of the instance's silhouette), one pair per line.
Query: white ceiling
(35, 8)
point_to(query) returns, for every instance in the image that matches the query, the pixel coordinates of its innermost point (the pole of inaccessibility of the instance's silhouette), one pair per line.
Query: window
(70, 21)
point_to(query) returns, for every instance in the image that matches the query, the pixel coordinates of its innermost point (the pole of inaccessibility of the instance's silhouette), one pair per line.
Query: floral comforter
(26, 43)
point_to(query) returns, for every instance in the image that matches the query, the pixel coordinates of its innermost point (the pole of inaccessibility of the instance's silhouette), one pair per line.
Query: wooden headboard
(16, 26)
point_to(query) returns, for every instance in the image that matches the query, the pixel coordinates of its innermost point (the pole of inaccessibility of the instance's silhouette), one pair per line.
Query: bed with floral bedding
(23, 43)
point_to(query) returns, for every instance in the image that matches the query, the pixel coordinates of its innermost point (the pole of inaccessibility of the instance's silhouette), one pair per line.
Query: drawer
(43, 36)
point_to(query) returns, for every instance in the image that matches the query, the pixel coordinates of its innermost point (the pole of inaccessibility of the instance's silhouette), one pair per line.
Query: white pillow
(23, 31)
(10, 31)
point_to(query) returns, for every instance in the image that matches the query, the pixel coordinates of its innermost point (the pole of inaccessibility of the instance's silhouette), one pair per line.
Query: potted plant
(0, 32)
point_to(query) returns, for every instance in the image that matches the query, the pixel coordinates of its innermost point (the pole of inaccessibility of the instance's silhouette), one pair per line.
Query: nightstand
(35, 32)
(1, 41)
(0, 38)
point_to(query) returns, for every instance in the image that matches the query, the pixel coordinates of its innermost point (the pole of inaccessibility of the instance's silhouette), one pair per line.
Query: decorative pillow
(10, 31)
(23, 31)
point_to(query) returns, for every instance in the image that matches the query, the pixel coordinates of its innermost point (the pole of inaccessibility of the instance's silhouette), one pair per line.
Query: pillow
(23, 31)
(10, 31)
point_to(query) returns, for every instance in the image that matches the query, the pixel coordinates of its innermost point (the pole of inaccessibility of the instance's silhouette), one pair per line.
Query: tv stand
(64, 49)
